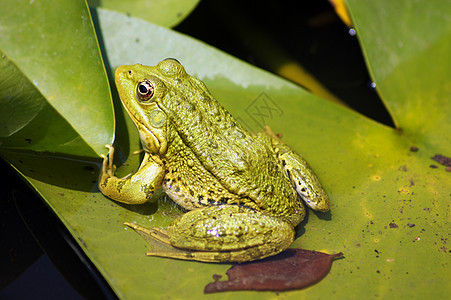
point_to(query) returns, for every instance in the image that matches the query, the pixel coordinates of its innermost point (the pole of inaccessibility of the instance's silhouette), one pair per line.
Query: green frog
(243, 192)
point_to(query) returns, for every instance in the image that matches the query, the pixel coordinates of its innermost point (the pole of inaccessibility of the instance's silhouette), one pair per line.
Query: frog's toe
(138, 151)
(159, 243)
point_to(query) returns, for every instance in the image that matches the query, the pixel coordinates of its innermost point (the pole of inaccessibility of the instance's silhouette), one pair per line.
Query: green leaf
(389, 208)
(160, 12)
(54, 93)
(407, 46)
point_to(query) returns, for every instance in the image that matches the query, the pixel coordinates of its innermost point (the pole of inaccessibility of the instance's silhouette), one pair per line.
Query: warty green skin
(210, 164)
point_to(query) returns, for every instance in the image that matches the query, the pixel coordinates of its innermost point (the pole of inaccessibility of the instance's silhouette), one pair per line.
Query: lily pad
(373, 177)
(407, 54)
(160, 12)
(54, 93)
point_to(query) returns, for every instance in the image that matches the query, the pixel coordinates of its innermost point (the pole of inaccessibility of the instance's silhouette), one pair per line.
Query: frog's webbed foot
(156, 233)
(224, 233)
(159, 243)
(108, 168)
(134, 188)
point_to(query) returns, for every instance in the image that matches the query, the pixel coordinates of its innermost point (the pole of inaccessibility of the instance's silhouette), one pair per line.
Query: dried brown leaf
(291, 269)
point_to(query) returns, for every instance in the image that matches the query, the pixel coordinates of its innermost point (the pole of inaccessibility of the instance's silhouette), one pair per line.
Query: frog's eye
(145, 90)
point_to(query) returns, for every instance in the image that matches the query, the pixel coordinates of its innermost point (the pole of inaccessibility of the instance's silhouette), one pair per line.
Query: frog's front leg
(134, 189)
(223, 233)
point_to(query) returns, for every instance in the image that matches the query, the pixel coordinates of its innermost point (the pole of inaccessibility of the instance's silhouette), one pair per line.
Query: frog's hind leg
(224, 233)
(230, 233)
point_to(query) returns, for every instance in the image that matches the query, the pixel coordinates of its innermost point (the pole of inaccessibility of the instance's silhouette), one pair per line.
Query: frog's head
(141, 89)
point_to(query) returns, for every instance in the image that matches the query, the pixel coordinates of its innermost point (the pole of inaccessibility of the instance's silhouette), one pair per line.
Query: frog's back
(244, 164)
